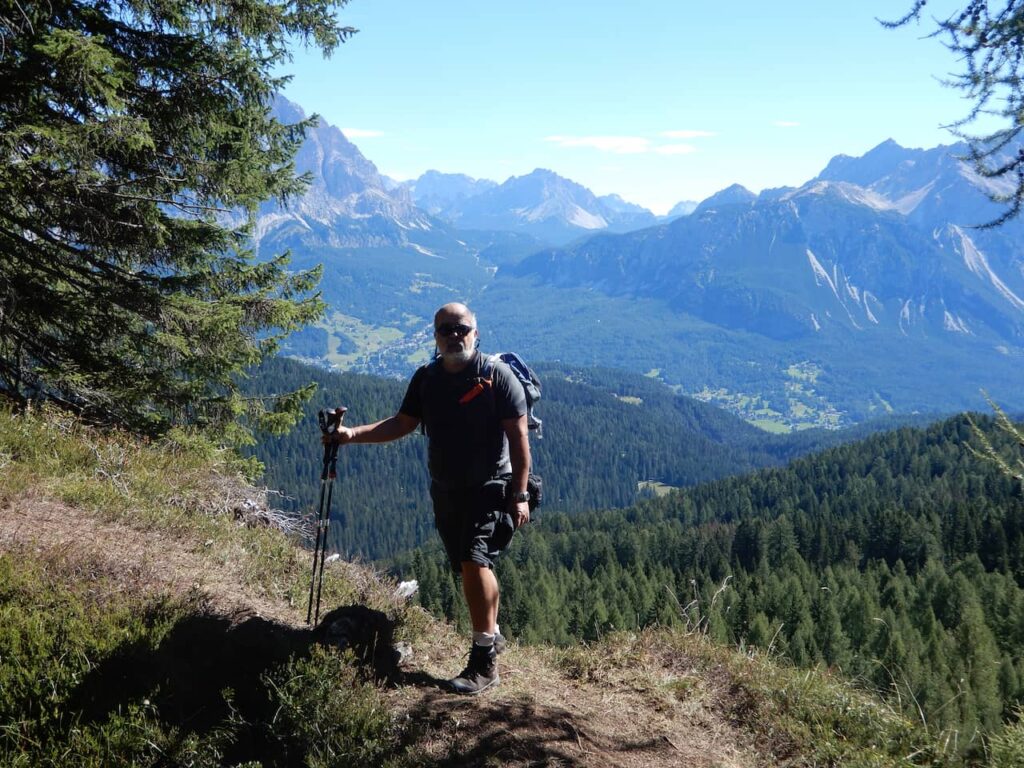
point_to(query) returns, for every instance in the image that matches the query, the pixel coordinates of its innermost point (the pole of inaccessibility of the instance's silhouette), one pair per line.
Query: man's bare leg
(480, 587)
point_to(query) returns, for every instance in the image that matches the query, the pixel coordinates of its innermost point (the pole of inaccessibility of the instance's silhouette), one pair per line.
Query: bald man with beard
(474, 415)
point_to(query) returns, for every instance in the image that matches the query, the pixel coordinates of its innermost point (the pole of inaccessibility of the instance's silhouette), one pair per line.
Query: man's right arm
(399, 425)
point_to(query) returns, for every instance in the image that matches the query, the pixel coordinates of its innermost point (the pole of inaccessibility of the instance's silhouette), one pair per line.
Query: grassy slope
(147, 618)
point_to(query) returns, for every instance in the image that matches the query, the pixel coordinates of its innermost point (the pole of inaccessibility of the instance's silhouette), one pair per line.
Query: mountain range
(868, 289)
(350, 204)
(541, 204)
(874, 274)
(828, 257)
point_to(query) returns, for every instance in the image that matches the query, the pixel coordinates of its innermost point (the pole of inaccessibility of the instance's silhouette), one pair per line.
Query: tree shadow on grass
(186, 675)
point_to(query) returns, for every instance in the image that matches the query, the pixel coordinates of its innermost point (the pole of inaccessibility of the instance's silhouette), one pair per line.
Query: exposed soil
(628, 715)
(637, 710)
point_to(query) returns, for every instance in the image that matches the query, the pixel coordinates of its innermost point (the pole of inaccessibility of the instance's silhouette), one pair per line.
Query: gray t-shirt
(462, 417)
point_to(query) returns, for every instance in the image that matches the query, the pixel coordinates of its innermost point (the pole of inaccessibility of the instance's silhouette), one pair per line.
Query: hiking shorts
(473, 522)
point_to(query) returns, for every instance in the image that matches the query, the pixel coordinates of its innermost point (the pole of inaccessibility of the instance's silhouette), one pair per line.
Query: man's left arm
(519, 454)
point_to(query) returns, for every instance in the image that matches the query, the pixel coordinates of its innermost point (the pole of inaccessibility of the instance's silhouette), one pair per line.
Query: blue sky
(656, 101)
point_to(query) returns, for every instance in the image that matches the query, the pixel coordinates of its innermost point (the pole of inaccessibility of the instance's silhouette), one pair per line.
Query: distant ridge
(438, 193)
(682, 208)
(735, 194)
(541, 204)
(872, 284)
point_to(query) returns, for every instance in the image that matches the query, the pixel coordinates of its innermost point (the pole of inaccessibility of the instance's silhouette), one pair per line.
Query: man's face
(455, 336)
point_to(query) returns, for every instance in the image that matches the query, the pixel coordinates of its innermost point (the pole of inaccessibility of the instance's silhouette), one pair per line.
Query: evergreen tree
(978, 655)
(760, 634)
(829, 635)
(137, 144)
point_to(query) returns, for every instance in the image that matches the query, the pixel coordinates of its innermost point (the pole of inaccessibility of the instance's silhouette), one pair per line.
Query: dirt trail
(637, 712)
(631, 715)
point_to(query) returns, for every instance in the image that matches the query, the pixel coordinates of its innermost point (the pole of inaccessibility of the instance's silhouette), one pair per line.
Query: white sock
(486, 639)
(497, 629)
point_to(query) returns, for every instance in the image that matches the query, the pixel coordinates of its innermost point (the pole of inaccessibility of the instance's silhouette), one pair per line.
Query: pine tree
(137, 143)
(760, 633)
(828, 628)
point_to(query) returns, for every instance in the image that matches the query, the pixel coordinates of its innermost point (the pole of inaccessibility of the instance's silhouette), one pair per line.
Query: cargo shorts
(474, 523)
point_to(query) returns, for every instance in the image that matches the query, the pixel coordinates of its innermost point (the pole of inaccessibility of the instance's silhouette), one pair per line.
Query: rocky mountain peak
(734, 194)
(437, 192)
(345, 187)
(618, 205)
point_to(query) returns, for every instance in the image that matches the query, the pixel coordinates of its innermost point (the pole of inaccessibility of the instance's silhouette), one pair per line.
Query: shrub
(329, 714)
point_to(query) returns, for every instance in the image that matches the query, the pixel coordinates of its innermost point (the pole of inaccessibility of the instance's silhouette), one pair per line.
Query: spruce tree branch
(83, 254)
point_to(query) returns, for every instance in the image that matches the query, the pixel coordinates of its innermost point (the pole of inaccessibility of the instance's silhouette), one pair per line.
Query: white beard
(460, 357)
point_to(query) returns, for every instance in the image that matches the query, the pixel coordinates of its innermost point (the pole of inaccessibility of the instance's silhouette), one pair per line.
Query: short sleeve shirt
(467, 444)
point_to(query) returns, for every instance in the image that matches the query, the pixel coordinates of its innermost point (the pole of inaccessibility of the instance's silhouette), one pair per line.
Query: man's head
(455, 334)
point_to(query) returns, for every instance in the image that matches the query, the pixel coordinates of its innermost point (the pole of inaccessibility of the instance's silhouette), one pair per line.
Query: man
(479, 458)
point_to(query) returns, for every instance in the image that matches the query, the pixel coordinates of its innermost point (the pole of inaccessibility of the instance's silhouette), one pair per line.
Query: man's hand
(384, 431)
(520, 512)
(340, 436)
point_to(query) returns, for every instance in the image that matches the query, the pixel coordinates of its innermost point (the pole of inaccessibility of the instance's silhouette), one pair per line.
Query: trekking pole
(330, 422)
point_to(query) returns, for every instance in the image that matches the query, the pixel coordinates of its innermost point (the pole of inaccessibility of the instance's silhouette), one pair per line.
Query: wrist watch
(522, 496)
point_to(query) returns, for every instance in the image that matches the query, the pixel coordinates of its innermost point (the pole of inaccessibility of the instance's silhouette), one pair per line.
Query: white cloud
(687, 134)
(619, 145)
(675, 149)
(785, 124)
(361, 133)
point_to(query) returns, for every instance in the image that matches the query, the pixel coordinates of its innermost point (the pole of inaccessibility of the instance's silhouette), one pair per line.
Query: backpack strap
(483, 382)
(430, 369)
(487, 366)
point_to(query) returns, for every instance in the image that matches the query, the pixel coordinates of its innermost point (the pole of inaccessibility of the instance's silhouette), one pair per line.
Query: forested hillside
(606, 435)
(898, 560)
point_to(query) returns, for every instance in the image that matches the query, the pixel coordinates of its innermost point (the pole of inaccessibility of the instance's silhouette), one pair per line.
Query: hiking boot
(480, 673)
(500, 643)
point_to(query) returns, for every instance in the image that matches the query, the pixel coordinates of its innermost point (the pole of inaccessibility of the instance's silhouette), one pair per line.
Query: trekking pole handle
(330, 419)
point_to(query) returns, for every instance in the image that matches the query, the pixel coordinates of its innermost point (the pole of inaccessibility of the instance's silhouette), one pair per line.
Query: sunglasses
(452, 329)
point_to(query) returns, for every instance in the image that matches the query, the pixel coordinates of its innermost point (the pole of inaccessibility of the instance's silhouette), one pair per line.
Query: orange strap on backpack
(477, 388)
